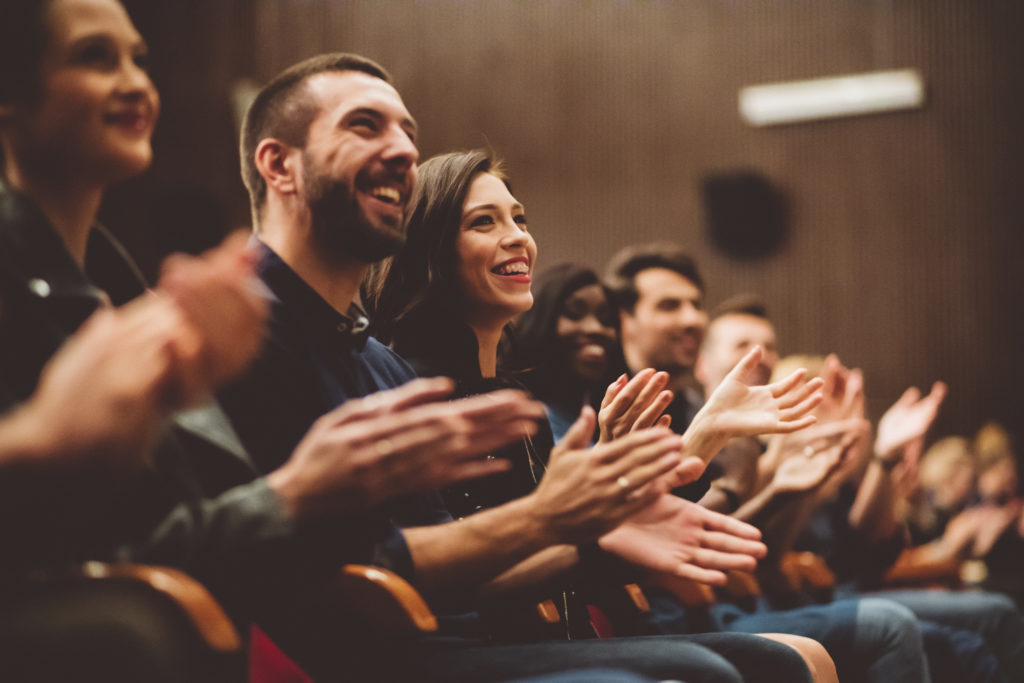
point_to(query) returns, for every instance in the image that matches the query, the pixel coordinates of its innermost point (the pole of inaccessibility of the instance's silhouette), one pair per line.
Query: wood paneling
(903, 255)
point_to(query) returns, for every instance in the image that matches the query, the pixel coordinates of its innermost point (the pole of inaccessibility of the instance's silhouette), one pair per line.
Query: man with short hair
(737, 325)
(660, 296)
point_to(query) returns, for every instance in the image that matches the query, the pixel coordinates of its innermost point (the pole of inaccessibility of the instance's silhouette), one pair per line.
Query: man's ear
(278, 164)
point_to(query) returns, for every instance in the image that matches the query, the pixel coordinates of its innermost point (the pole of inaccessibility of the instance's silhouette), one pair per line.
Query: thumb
(581, 432)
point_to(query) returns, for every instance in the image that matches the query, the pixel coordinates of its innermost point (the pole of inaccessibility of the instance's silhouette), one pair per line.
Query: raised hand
(587, 491)
(225, 303)
(634, 404)
(739, 408)
(676, 536)
(400, 441)
(803, 474)
(843, 392)
(102, 398)
(907, 419)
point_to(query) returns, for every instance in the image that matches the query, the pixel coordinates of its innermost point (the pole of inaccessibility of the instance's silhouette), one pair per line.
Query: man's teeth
(387, 194)
(516, 268)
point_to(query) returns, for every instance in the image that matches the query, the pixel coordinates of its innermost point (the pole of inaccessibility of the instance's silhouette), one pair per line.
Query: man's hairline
(303, 84)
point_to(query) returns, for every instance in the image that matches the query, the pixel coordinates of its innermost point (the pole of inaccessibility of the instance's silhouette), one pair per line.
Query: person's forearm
(702, 438)
(533, 573)
(873, 512)
(474, 550)
(764, 504)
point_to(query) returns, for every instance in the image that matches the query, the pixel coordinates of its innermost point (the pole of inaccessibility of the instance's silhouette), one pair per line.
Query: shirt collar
(301, 306)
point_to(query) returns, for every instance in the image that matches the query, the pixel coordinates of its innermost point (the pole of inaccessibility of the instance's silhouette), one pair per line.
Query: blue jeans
(991, 615)
(871, 640)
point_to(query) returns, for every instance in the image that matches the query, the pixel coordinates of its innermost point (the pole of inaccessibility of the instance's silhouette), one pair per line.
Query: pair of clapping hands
(101, 400)
(823, 457)
(618, 490)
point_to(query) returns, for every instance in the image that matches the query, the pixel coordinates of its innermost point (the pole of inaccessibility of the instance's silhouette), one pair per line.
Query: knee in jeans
(889, 618)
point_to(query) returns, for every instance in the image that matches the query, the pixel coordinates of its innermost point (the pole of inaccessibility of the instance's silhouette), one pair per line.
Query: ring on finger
(623, 483)
(384, 446)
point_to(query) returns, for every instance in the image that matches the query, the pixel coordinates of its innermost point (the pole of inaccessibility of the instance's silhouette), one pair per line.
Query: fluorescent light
(826, 98)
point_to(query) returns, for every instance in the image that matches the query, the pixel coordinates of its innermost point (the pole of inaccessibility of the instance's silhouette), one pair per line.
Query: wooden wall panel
(904, 253)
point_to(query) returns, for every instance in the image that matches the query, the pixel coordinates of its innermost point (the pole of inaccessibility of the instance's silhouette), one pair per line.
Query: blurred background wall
(903, 248)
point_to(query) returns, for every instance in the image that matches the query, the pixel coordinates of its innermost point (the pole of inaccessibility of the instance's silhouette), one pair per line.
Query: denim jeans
(871, 640)
(993, 616)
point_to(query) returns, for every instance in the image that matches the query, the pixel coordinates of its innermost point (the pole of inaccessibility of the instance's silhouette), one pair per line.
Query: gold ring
(384, 446)
(623, 483)
(808, 452)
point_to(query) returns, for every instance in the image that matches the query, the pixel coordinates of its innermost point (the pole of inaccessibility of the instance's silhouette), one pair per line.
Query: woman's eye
(97, 54)
(142, 61)
(520, 219)
(481, 220)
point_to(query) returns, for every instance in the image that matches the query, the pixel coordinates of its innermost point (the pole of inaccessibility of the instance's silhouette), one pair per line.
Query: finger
(505, 404)
(613, 390)
(653, 414)
(629, 393)
(798, 394)
(664, 421)
(649, 393)
(830, 374)
(729, 543)
(909, 397)
(746, 366)
(796, 425)
(701, 575)
(651, 474)
(411, 394)
(632, 464)
(473, 469)
(715, 521)
(938, 392)
(622, 450)
(714, 559)
(487, 440)
(788, 383)
(579, 434)
(688, 471)
(415, 393)
(798, 411)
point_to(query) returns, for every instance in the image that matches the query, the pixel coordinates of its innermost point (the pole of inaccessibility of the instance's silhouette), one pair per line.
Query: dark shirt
(314, 360)
(437, 344)
(855, 560)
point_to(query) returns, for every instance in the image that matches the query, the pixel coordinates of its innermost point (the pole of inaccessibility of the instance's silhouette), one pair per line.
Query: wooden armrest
(742, 584)
(384, 599)
(547, 612)
(910, 569)
(814, 654)
(687, 591)
(202, 610)
(637, 598)
(805, 569)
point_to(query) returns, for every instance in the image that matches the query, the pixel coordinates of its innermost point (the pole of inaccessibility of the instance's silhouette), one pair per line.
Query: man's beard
(339, 226)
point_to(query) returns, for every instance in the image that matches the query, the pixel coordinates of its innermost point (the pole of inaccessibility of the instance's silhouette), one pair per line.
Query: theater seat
(913, 569)
(115, 622)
